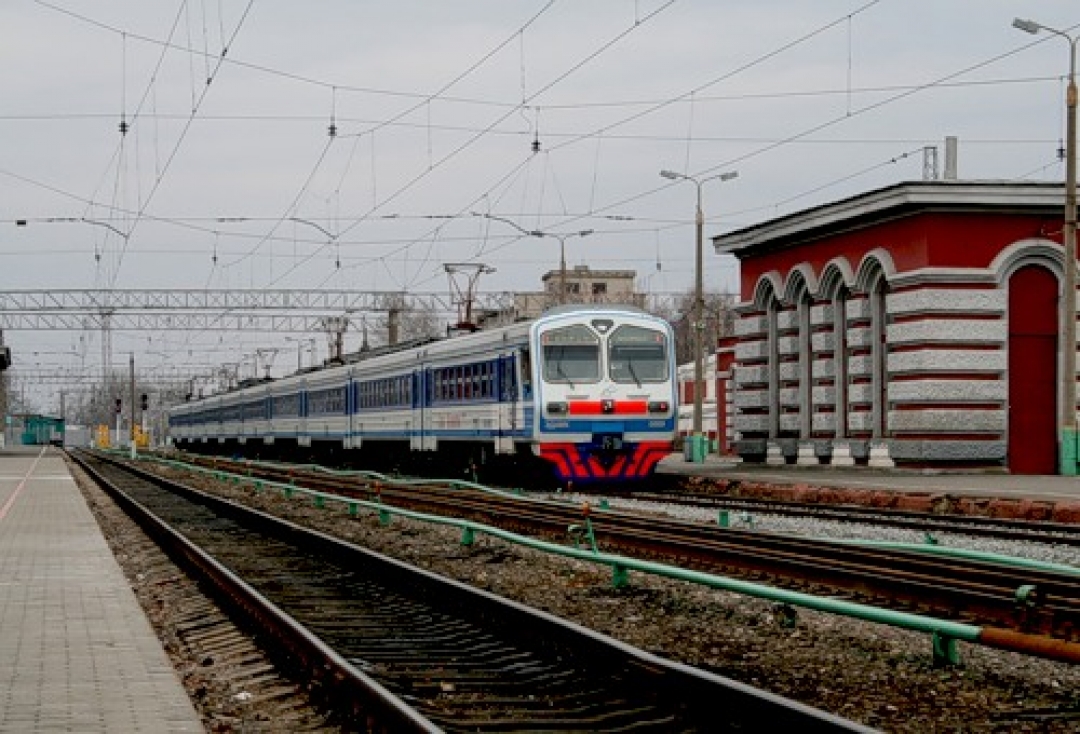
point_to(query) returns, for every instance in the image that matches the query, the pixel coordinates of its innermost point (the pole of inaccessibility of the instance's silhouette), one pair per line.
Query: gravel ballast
(875, 674)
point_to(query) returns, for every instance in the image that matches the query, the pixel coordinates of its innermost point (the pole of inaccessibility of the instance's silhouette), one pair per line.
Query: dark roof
(891, 202)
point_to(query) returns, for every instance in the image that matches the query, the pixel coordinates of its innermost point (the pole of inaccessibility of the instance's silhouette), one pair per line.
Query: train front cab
(606, 402)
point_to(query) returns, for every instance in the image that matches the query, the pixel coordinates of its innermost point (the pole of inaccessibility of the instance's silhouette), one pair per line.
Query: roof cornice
(889, 203)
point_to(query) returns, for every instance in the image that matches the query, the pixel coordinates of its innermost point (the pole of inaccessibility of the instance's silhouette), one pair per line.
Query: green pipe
(942, 628)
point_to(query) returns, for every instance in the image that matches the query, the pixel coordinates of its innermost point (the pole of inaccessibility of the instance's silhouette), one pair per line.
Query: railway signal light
(144, 402)
(119, 405)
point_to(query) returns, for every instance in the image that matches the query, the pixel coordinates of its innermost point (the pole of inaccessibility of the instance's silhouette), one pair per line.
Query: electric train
(588, 393)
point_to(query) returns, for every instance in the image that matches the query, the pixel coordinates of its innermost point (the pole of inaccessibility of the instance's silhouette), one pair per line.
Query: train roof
(431, 347)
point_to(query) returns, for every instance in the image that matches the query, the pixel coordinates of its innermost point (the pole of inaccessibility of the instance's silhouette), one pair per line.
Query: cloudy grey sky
(228, 178)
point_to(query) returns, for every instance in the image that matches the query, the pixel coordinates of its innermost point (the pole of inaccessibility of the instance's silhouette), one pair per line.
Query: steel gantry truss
(278, 311)
(210, 310)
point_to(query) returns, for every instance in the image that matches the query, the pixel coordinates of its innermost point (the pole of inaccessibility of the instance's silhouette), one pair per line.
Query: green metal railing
(944, 633)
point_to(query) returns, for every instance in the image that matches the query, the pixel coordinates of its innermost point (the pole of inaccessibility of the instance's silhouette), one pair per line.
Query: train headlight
(558, 408)
(659, 406)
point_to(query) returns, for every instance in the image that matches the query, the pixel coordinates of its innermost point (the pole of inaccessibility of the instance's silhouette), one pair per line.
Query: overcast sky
(227, 176)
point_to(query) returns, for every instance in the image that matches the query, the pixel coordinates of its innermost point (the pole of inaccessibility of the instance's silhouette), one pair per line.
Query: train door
(508, 403)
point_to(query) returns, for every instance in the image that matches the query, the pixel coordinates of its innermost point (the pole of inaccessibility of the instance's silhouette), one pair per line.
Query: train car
(605, 401)
(43, 430)
(586, 393)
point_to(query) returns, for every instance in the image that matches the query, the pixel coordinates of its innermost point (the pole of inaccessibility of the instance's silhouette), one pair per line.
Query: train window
(637, 355)
(287, 405)
(571, 354)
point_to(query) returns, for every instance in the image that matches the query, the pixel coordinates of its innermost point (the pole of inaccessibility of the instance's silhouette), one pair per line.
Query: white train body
(590, 390)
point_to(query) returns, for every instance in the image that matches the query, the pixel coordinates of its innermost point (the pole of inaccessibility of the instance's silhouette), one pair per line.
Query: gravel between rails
(875, 674)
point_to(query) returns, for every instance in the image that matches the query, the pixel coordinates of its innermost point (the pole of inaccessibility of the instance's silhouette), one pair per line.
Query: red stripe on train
(608, 407)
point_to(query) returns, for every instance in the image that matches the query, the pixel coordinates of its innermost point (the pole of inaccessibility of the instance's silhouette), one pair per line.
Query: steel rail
(1029, 600)
(704, 697)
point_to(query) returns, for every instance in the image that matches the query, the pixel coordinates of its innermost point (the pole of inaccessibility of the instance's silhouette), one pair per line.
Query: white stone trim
(841, 454)
(788, 345)
(860, 336)
(789, 371)
(962, 391)
(860, 366)
(752, 399)
(948, 421)
(751, 423)
(962, 331)
(824, 395)
(946, 360)
(789, 397)
(824, 422)
(807, 456)
(944, 276)
(789, 422)
(821, 314)
(948, 301)
(860, 394)
(860, 422)
(823, 368)
(823, 341)
(879, 456)
(787, 320)
(857, 308)
(751, 326)
(751, 375)
(746, 351)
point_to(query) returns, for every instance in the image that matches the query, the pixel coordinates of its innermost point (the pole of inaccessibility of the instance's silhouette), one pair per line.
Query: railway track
(232, 682)
(1019, 530)
(1033, 610)
(411, 651)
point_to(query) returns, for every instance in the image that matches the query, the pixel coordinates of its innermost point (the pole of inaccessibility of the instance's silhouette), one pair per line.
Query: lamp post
(1067, 455)
(562, 256)
(561, 237)
(698, 323)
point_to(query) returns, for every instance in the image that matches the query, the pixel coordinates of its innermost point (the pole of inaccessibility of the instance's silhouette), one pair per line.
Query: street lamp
(561, 237)
(698, 452)
(562, 255)
(1067, 456)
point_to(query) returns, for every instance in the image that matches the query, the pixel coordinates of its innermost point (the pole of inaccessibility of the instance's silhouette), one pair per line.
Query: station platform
(1030, 496)
(77, 653)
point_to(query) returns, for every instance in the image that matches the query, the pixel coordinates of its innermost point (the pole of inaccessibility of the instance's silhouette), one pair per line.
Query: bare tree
(405, 324)
(719, 322)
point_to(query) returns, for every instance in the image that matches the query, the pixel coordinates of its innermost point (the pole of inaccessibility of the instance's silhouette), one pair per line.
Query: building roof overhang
(890, 203)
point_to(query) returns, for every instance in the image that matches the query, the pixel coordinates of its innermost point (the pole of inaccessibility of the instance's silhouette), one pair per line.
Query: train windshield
(637, 355)
(571, 355)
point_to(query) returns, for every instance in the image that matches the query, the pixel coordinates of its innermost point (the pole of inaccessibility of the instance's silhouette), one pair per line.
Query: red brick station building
(918, 325)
